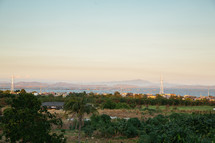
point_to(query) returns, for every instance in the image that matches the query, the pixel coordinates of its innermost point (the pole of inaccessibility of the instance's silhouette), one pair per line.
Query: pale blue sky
(104, 40)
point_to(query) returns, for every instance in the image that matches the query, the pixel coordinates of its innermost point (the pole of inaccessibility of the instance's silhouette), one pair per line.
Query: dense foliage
(26, 122)
(178, 128)
(115, 101)
(78, 106)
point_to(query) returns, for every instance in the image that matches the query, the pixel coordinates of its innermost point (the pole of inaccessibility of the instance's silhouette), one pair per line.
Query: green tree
(6, 91)
(109, 104)
(159, 96)
(22, 91)
(17, 91)
(26, 121)
(117, 94)
(78, 106)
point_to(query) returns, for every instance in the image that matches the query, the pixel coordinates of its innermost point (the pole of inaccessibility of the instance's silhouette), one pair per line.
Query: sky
(108, 40)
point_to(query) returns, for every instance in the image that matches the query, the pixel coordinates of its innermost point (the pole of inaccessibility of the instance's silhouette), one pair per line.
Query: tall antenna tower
(40, 90)
(161, 86)
(208, 92)
(12, 85)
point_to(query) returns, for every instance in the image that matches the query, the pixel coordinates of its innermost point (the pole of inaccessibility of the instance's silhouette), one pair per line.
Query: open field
(141, 114)
(201, 108)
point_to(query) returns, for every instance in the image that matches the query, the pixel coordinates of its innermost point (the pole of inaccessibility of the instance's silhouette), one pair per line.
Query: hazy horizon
(108, 40)
(154, 83)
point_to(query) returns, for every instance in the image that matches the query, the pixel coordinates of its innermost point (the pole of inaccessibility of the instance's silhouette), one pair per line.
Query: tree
(117, 94)
(22, 91)
(16, 91)
(78, 106)
(159, 96)
(26, 121)
(6, 91)
(109, 104)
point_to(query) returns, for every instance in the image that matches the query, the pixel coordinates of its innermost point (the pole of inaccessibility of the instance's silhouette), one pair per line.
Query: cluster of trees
(176, 127)
(5, 98)
(26, 121)
(183, 128)
(159, 100)
(116, 98)
(110, 104)
(103, 125)
(129, 101)
(79, 106)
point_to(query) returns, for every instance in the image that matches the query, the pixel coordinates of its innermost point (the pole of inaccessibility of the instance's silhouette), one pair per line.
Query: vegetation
(102, 101)
(196, 128)
(153, 120)
(191, 108)
(78, 106)
(26, 122)
(176, 127)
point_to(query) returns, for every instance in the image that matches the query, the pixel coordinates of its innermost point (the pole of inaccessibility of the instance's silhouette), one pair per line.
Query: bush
(88, 130)
(131, 131)
(134, 122)
(144, 139)
(105, 118)
(109, 104)
(27, 121)
(107, 131)
(184, 128)
(122, 106)
(149, 111)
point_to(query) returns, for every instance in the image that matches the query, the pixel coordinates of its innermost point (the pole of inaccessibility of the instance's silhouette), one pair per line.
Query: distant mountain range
(138, 83)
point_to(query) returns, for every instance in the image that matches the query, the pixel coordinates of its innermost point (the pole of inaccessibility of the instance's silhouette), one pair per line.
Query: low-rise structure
(53, 105)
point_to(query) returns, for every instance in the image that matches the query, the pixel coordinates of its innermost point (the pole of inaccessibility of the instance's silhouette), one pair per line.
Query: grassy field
(199, 108)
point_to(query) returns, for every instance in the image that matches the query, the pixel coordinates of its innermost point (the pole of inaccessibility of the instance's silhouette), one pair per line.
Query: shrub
(107, 131)
(105, 118)
(144, 139)
(109, 104)
(184, 128)
(122, 106)
(88, 130)
(134, 122)
(130, 131)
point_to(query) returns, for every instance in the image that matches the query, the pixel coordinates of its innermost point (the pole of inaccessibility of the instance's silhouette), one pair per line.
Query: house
(53, 105)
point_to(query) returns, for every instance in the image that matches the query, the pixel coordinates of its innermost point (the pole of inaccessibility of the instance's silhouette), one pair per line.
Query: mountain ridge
(136, 83)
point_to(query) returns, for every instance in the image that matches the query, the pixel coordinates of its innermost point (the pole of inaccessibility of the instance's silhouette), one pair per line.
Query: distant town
(123, 94)
(64, 89)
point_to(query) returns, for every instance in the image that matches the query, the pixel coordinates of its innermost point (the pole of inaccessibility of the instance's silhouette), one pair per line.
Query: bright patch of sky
(106, 40)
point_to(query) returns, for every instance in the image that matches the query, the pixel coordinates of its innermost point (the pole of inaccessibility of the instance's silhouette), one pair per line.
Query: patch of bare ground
(125, 113)
(120, 113)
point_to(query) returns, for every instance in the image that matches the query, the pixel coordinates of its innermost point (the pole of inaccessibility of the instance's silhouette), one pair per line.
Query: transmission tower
(208, 92)
(161, 86)
(12, 85)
